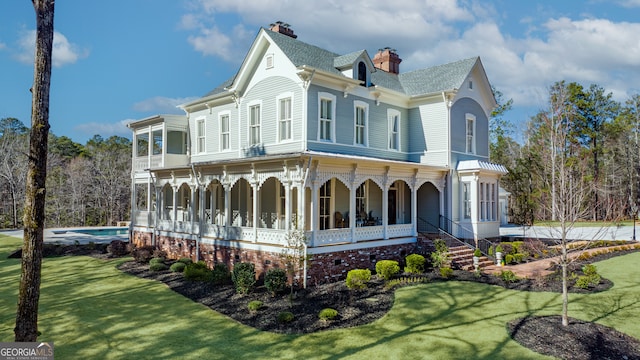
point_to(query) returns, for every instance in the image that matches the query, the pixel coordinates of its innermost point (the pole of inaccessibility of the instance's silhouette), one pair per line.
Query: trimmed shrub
(185, 260)
(198, 272)
(285, 317)
(117, 248)
(509, 259)
(590, 270)
(143, 254)
(244, 277)
(446, 272)
(477, 252)
(387, 269)
(327, 314)
(415, 264)
(275, 280)
(255, 305)
(358, 278)
(158, 253)
(156, 260)
(508, 276)
(158, 266)
(519, 257)
(221, 274)
(177, 267)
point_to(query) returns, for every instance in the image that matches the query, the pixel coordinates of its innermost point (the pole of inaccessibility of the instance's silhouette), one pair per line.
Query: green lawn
(91, 310)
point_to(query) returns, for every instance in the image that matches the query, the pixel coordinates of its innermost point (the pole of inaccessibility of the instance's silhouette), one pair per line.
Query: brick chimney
(387, 60)
(282, 28)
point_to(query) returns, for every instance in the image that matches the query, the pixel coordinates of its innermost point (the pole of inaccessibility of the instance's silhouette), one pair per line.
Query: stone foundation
(322, 268)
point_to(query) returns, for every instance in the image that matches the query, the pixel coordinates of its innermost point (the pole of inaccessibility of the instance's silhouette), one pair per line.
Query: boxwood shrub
(185, 260)
(177, 267)
(221, 274)
(358, 278)
(327, 314)
(275, 280)
(158, 266)
(387, 269)
(255, 305)
(415, 264)
(198, 272)
(285, 317)
(244, 277)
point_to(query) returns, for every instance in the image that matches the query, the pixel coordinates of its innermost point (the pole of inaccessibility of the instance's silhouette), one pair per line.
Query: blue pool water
(103, 231)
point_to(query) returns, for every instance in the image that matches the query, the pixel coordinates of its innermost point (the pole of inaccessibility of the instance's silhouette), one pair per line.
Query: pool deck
(67, 237)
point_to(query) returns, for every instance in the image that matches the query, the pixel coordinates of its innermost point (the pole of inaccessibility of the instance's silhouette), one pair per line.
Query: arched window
(362, 73)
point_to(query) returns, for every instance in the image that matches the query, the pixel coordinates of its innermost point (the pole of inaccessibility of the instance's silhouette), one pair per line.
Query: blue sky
(121, 60)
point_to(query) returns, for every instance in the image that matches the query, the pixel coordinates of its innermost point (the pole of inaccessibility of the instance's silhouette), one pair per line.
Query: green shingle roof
(414, 83)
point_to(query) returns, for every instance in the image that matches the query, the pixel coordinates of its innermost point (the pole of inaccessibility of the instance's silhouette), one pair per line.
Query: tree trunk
(26, 329)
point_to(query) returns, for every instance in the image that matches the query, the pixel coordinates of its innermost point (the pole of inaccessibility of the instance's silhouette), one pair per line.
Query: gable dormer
(356, 65)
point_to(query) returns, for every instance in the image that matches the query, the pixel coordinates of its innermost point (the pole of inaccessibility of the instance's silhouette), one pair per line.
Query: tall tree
(26, 329)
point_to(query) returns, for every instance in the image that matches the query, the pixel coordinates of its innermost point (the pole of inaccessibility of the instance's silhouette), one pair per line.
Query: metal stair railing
(467, 236)
(425, 226)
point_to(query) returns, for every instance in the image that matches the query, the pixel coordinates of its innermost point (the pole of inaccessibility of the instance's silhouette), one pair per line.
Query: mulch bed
(543, 334)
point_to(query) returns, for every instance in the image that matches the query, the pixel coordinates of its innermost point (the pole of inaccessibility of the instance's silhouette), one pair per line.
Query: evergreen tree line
(582, 152)
(87, 185)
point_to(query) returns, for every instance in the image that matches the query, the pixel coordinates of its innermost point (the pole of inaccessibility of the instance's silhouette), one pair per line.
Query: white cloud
(3, 46)
(63, 51)
(161, 105)
(105, 129)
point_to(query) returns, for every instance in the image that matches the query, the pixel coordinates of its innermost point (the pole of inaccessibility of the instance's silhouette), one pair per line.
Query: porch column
(315, 198)
(159, 205)
(414, 209)
(352, 212)
(302, 207)
(288, 205)
(385, 211)
(192, 209)
(149, 204)
(227, 206)
(175, 206)
(256, 211)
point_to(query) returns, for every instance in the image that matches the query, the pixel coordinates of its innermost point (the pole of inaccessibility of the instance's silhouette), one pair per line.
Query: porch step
(462, 258)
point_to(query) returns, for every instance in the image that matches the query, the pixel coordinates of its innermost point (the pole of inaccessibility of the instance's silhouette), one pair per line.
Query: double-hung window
(200, 136)
(326, 116)
(471, 130)
(254, 125)
(394, 129)
(466, 200)
(224, 132)
(284, 110)
(361, 110)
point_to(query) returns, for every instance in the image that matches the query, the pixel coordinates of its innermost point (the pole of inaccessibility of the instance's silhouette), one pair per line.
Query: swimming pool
(103, 231)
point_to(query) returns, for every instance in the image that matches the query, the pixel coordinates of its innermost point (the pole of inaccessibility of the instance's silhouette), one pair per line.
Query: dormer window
(362, 73)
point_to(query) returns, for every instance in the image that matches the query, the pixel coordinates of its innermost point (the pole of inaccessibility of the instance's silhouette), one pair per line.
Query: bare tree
(13, 171)
(26, 329)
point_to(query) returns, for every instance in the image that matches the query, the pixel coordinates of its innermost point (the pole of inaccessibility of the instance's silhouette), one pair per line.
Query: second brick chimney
(387, 60)
(282, 28)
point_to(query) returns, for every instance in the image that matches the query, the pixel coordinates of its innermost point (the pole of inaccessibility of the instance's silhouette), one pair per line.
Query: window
(466, 200)
(494, 210)
(470, 138)
(326, 115)
(142, 144)
(157, 142)
(362, 73)
(483, 202)
(360, 130)
(325, 206)
(224, 132)
(284, 117)
(470, 84)
(361, 201)
(200, 136)
(394, 130)
(254, 125)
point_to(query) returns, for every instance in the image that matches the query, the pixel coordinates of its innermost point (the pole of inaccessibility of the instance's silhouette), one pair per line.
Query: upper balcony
(160, 141)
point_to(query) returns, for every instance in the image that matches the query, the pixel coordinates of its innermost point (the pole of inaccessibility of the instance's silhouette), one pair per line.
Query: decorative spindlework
(365, 233)
(400, 230)
(332, 236)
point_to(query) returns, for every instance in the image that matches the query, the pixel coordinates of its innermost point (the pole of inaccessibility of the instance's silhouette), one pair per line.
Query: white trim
(279, 98)
(269, 61)
(201, 136)
(357, 104)
(332, 120)
(470, 118)
(391, 114)
(220, 116)
(250, 105)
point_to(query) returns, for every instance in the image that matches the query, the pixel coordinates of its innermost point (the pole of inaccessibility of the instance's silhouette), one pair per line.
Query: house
(348, 149)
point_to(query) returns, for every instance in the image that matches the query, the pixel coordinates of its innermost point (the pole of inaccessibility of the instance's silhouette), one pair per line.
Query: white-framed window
(483, 201)
(200, 136)
(493, 208)
(361, 201)
(466, 200)
(394, 129)
(285, 103)
(325, 205)
(225, 138)
(470, 147)
(254, 124)
(361, 114)
(326, 116)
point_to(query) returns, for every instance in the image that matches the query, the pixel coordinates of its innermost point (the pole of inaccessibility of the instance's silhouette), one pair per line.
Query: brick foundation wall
(322, 268)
